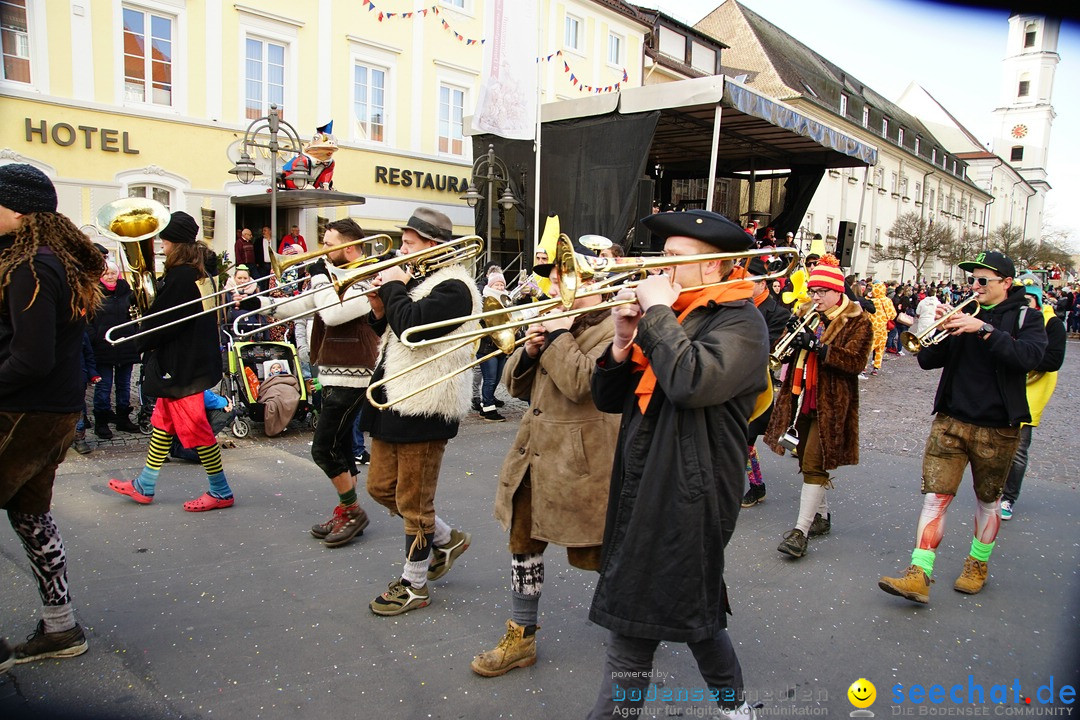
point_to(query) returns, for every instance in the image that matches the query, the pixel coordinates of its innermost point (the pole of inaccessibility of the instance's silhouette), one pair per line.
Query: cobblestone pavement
(895, 416)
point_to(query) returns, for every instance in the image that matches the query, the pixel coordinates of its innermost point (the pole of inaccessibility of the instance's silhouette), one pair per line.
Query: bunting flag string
(576, 81)
(423, 13)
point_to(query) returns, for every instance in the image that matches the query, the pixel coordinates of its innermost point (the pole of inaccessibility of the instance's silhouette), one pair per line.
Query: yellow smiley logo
(862, 693)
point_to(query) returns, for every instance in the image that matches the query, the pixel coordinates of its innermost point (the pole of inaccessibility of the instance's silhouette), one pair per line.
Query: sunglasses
(982, 281)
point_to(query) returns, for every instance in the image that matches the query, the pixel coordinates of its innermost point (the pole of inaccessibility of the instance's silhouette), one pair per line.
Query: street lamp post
(245, 170)
(491, 172)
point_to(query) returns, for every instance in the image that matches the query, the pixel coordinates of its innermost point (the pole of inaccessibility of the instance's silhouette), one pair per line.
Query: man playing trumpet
(819, 398)
(981, 402)
(554, 481)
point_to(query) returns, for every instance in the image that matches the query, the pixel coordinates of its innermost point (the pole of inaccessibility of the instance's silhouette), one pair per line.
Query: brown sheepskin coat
(564, 443)
(849, 338)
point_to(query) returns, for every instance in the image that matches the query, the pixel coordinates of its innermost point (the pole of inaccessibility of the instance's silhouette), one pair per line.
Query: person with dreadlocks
(49, 276)
(180, 362)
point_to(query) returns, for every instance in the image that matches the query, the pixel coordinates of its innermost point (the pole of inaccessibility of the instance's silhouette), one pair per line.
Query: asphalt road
(241, 614)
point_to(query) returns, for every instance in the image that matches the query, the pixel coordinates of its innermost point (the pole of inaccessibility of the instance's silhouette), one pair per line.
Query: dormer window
(866, 116)
(843, 105)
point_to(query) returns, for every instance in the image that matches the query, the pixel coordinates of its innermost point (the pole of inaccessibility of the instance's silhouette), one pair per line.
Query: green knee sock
(923, 559)
(348, 498)
(980, 550)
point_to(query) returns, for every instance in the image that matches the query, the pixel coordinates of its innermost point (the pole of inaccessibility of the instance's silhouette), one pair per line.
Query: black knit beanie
(25, 189)
(182, 228)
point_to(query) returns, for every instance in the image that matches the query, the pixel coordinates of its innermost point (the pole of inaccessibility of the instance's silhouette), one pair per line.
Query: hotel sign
(65, 135)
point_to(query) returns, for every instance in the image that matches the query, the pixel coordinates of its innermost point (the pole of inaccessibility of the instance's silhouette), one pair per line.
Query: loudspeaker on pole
(845, 242)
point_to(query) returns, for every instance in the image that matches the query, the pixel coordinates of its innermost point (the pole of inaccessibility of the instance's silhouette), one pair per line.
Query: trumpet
(935, 333)
(280, 264)
(467, 247)
(784, 350)
(569, 276)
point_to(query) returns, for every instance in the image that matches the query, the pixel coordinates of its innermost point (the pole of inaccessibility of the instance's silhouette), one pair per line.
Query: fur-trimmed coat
(848, 339)
(433, 414)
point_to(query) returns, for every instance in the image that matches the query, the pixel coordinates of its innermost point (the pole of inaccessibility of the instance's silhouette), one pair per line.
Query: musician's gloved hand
(793, 323)
(805, 341)
(318, 268)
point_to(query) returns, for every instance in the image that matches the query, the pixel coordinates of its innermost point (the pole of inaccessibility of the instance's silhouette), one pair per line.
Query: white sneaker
(743, 712)
(1006, 510)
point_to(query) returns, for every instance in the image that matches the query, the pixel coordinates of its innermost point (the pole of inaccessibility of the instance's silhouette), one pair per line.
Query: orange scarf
(684, 304)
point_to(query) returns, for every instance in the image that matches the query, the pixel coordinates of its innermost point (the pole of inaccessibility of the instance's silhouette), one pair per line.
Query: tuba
(134, 222)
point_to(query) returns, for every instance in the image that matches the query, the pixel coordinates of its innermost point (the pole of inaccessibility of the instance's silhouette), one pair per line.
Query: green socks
(980, 550)
(348, 498)
(923, 559)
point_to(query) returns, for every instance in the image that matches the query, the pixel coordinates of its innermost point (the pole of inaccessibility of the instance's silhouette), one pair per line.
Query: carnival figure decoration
(317, 160)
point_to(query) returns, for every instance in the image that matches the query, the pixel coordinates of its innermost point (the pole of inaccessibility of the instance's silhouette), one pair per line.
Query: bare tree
(1009, 239)
(912, 240)
(959, 248)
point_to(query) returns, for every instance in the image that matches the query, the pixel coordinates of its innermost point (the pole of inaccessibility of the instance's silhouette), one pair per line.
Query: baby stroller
(253, 363)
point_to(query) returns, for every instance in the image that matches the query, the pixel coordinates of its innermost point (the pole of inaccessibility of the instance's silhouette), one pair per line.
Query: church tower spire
(1025, 113)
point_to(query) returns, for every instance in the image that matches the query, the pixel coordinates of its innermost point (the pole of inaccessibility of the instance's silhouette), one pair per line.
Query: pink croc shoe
(208, 502)
(127, 487)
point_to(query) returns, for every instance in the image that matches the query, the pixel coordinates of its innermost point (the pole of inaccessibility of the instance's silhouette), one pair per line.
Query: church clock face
(1019, 131)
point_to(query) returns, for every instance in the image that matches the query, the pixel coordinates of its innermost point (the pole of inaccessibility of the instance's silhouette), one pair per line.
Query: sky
(954, 52)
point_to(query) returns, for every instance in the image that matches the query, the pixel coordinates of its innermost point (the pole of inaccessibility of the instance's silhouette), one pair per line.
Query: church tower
(1025, 114)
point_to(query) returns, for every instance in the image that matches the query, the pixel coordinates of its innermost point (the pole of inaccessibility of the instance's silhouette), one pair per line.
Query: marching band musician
(553, 486)
(408, 439)
(684, 370)
(819, 397)
(180, 362)
(344, 346)
(980, 403)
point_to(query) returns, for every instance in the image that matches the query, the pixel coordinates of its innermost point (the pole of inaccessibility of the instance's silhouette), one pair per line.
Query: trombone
(505, 343)
(935, 333)
(422, 262)
(569, 275)
(783, 350)
(279, 263)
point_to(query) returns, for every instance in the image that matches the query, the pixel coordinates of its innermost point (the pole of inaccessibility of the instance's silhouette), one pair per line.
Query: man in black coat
(981, 402)
(685, 370)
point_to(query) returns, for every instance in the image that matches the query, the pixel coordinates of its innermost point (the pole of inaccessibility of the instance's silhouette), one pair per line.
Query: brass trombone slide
(466, 247)
(281, 263)
(604, 265)
(935, 333)
(504, 340)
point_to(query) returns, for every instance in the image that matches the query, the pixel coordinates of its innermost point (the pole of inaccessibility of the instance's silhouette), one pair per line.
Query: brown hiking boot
(516, 649)
(973, 578)
(914, 585)
(350, 523)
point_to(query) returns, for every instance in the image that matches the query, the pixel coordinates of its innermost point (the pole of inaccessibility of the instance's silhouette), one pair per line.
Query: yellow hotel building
(113, 98)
